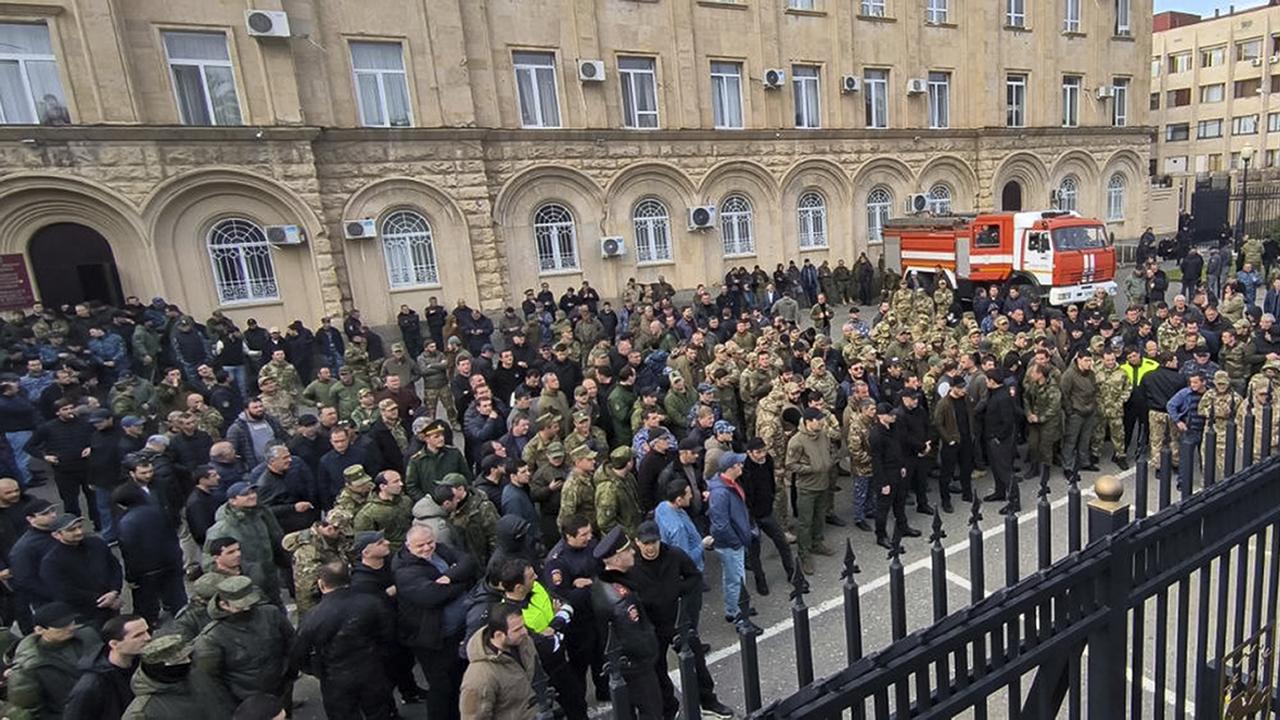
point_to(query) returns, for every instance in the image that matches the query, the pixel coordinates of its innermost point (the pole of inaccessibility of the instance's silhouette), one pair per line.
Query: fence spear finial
(938, 533)
(975, 512)
(799, 585)
(850, 562)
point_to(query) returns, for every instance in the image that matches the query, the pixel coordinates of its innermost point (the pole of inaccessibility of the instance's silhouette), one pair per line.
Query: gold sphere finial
(1108, 489)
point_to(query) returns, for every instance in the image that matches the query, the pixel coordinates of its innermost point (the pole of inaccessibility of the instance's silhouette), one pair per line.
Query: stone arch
(1130, 166)
(656, 178)
(670, 186)
(955, 173)
(366, 259)
(752, 181)
(830, 181)
(879, 172)
(180, 212)
(1085, 168)
(1031, 174)
(516, 203)
(31, 201)
(537, 180)
(740, 175)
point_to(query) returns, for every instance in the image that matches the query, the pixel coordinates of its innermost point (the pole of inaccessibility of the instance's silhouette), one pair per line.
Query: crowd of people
(491, 507)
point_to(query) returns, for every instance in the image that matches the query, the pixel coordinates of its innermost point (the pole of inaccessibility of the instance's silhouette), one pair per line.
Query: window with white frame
(804, 85)
(939, 100)
(872, 8)
(1068, 190)
(382, 87)
(1213, 57)
(1071, 100)
(639, 92)
(1179, 62)
(940, 199)
(1212, 93)
(1015, 100)
(1244, 125)
(875, 91)
(1119, 102)
(811, 210)
(1155, 67)
(802, 4)
(1209, 129)
(1122, 18)
(1071, 16)
(652, 224)
(409, 250)
(1015, 13)
(241, 257)
(1273, 122)
(203, 78)
(1115, 197)
(557, 238)
(1247, 50)
(536, 88)
(726, 94)
(30, 89)
(879, 207)
(735, 226)
(935, 11)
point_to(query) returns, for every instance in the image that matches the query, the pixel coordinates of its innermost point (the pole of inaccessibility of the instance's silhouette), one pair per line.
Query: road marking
(962, 582)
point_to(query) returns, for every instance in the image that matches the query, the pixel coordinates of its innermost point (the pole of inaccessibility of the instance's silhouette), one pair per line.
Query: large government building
(285, 158)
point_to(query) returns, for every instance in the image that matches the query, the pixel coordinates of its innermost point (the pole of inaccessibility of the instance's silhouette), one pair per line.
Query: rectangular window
(1015, 100)
(1177, 131)
(1179, 63)
(1120, 102)
(1273, 122)
(1214, 162)
(939, 100)
(202, 78)
(639, 92)
(804, 85)
(1209, 129)
(1248, 50)
(1155, 101)
(1233, 161)
(1270, 158)
(1122, 18)
(935, 12)
(382, 88)
(1155, 67)
(1179, 98)
(1213, 57)
(536, 86)
(802, 4)
(1212, 93)
(1275, 44)
(1071, 16)
(726, 94)
(1071, 100)
(30, 89)
(1246, 88)
(873, 8)
(1275, 83)
(1015, 13)
(1244, 125)
(875, 92)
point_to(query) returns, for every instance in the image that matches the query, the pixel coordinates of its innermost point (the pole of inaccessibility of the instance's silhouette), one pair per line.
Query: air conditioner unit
(267, 23)
(591, 70)
(359, 229)
(774, 78)
(917, 203)
(1106, 91)
(850, 84)
(702, 218)
(915, 86)
(1256, 62)
(1275, 59)
(285, 235)
(611, 247)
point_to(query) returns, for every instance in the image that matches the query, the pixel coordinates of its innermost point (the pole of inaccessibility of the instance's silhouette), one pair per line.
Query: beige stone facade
(468, 167)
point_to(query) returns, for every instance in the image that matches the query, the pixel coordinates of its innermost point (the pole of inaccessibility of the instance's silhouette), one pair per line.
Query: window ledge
(945, 25)
(1018, 28)
(559, 273)
(1074, 34)
(736, 256)
(247, 304)
(805, 13)
(414, 288)
(656, 263)
(726, 4)
(815, 248)
(1124, 38)
(877, 18)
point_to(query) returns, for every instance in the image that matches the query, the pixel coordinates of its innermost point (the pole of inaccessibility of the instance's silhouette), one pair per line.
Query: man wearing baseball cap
(258, 533)
(47, 662)
(731, 531)
(81, 571)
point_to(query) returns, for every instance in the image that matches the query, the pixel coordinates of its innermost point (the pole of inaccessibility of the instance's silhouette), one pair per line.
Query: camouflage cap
(1221, 378)
(581, 416)
(167, 650)
(363, 392)
(206, 586)
(1095, 343)
(1273, 364)
(791, 388)
(582, 452)
(546, 420)
(238, 591)
(816, 363)
(454, 480)
(340, 519)
(356, 475)
(555, 449)
(621, 454)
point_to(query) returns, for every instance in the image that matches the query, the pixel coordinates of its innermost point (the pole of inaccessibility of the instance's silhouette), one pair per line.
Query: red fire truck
(1064, 256)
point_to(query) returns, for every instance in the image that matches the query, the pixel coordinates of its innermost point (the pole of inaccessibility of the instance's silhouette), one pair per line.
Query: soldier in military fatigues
(285, 375)
(821, 381)
(1042, 398)
(355, 490)
(545, 487)
(472, 516)
(617, 499)
(548, 432)
(584, 433)
(433, 367)
(278, 404)
(578, 496)
(1220, 403)
(1113, 393)
(324, 542)
(771, 428)
(388, 510)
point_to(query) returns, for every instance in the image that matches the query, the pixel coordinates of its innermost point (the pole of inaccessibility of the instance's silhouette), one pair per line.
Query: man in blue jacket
(731, 531)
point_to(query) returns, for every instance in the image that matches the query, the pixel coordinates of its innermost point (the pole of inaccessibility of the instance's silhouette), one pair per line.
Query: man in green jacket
(388, 510)
(245, 648)
(809, 460)
(48, 662)
(258, 533)
(166, 685)
(435, 460)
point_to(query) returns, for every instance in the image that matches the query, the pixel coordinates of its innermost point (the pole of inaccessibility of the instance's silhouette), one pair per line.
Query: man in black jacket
(999, 434)
(63, 442)
(80, 571)
(342, 642)
(103, 691)
(759, 483)
(888, 477)
(104, 467)
(913, 432)
(432, 582)
(1157, 388)
(25, 557)
(371, 574)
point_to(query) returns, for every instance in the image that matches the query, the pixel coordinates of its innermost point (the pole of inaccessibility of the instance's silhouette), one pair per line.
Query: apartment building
(301, 157)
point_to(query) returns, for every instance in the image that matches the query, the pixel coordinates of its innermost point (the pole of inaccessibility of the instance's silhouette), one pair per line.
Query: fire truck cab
(1064, 256)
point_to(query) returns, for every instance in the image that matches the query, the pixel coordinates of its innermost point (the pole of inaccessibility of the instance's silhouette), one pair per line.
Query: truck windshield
(1084, 237)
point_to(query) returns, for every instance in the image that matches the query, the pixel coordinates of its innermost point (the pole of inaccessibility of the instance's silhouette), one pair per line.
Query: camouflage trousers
(1112, 422)
(1041, 438)
(433, 398)
(1160, 428)
(1219, 449)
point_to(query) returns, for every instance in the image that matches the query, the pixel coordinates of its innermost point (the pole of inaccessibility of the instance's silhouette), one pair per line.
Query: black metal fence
(1198, 576)
(1261, 203)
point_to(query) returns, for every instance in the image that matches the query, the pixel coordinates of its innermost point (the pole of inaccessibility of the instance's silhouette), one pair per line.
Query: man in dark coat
(103, 691)
(80, 571)
(888, 477)
(999, 432)
(25, 557)
(152, 556)
(63, 442)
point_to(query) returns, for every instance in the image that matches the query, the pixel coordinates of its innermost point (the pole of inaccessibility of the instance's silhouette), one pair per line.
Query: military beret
(555, 449)
(453, 480)
(613, 542)
(167, 650)
(582, 452)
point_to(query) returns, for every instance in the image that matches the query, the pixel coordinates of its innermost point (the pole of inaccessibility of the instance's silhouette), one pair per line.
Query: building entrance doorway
(72, 263)
(1011, 197)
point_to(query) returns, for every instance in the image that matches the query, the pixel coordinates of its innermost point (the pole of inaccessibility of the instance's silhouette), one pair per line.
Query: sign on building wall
(15, 285)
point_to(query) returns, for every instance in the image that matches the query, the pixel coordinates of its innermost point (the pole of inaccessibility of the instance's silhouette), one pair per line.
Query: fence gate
(1261, 202)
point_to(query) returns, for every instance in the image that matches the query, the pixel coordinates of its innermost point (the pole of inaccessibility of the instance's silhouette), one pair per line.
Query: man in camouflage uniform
(1113, 393)
(278, 404)
(356, 357)
(584, 433)
(771, 428)
(355, 490)
(207, 418)
(725, 382)
(345, 393)
(578, 496)
(472, 516)
(285, 375)
(821, 381)
(433, 368)
(388, 510)
(1001, 339)
(326, 541)
(1220, 403)
(858, 423)
(546, 484)
(131, 395)
(1042, 398)
(617, 499)
(1238, 355)
(1260, 397)
(753, 385)
(548, 432)
(679, 399)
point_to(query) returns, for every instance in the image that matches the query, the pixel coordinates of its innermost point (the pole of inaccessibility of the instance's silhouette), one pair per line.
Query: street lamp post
(1246, 154)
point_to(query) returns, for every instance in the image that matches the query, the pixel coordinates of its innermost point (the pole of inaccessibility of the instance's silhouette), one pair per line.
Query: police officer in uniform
(569, 572)
(1000, 432)
(618, 608)
(888, 477)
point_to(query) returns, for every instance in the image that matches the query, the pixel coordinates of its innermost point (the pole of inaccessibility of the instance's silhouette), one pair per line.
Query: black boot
(762, 585)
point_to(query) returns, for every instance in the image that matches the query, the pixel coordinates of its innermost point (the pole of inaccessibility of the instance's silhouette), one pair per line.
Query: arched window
(1115, 197)
(879, 205)
(557, 238)
(409, 250)
(1067, 191)
(735, 226)
(241, 257)
(812, 212)
(653, 231)
(940, 199)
